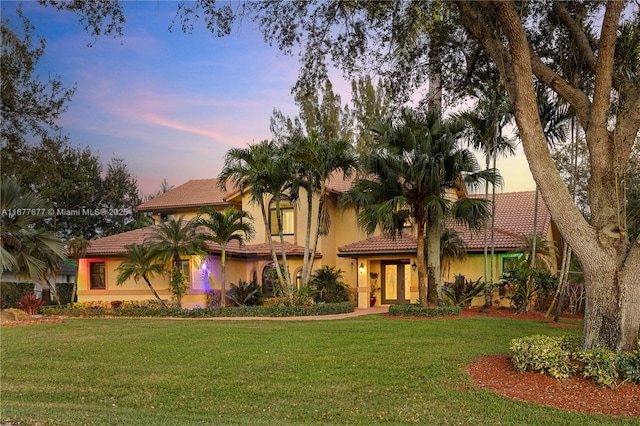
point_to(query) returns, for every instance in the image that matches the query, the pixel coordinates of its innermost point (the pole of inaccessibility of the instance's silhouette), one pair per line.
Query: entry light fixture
(414, 266)
(361, 268)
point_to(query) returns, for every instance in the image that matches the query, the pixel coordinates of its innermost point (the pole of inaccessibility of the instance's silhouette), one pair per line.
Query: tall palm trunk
(274, 255)
(433, 260)
(420, 257)
(223, 278)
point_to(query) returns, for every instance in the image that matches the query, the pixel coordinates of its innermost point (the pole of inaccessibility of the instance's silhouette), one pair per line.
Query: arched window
(299, 278)
(286, 212)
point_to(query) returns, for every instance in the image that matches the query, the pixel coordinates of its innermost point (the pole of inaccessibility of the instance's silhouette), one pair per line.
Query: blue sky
(172, 104)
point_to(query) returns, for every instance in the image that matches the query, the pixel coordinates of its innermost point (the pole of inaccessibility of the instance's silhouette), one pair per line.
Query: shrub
(328, 285)
(462, 291)
(64, 292)
(151, 309)
(214, 299)
(11, 292)
(420, 311)
(13, 314)
(599, 365)
(515, 284)
(628, 364)
(245, 293)
(29, 303)
(544, 354)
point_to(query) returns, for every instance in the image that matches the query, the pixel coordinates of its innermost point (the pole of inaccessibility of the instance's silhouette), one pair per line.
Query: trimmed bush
(420, 311)
(561, 357)
(545, 354)
(11, 292)
(128, 309)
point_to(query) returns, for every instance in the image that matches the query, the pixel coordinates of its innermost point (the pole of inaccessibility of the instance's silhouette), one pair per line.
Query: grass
(363, 370)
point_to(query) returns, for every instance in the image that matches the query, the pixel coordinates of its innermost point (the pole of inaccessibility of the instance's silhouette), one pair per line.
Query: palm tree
(484, 124)
(77, 249)
(452, 248)
(319, 160)
(408, 180)
(171, 240)
(266, 170)
(26, 250)
(232, 224)
(139, 263)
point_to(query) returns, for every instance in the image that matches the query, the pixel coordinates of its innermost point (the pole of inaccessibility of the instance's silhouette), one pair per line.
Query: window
(286, 212)
(97, 276)
(185, 266)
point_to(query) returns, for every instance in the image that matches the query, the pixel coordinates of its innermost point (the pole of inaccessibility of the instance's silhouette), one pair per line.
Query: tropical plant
(409, 179)
(245, 293)
(462, 291)
(222, 228)
(327, 282)
(319, 161)
(171, 240)
(76, 249)
(264, 170)
(139, 262)
(452, 248)
(29, 303)
(26, 250)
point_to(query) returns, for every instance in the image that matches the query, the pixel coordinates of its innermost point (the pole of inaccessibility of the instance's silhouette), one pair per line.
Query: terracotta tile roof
(194, 193)
(338, 184)
(115, 245)
(514, 218)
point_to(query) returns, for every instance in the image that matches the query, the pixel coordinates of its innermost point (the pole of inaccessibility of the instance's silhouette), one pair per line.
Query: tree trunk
(223, 284)
(433, 261)
(422, 288)
(153, 290)
(612, 314)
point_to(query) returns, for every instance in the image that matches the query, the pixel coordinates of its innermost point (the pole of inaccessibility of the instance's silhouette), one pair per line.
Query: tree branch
(578, 35)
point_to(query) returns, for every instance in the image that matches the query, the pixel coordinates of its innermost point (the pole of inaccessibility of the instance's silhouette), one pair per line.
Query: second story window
(286, 212)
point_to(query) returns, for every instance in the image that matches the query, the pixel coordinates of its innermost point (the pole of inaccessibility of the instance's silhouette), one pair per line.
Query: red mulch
(496, 373)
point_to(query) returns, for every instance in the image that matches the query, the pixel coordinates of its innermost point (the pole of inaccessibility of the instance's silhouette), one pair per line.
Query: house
(388, 264)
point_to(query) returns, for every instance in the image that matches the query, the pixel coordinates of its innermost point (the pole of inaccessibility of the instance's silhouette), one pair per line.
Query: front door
(396, 282)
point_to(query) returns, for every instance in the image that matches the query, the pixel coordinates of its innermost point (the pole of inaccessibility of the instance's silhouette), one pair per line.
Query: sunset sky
(172, 104)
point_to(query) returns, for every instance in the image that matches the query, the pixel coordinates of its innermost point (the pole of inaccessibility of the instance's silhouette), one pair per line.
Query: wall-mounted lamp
(361, 268)
(414, 266)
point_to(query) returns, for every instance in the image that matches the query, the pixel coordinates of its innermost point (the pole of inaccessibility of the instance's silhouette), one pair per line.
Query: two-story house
(388, 264)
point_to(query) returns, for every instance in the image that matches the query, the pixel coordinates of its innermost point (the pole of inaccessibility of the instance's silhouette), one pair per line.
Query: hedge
(126, 310)
(421, 311)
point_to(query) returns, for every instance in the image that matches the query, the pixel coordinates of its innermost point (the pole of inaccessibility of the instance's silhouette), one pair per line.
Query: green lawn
(363, 370)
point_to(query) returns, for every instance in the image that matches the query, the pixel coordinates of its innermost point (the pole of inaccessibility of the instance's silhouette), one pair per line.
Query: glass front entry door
(396, 282)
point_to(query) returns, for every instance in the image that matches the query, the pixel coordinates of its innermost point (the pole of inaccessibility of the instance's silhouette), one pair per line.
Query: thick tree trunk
(612, 300)
(610, 263)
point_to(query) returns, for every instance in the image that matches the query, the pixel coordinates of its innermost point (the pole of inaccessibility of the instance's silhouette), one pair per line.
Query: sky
(172, 104)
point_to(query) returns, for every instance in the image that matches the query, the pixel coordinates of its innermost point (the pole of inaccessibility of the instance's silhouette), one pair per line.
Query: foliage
(13, 314)
(139, 262)
(246, 293)
(178, 285)
(561, 357)
(147, 309)
(30, 107)
(11, 292)
(521, 285)
(628, 364)
(462, 291)
(599, 365)
(64, 290)
(408, 180)
(422, 311)
(29, 303)
(328, 285)
(214, 299)
(27, 250)
(545, 354)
